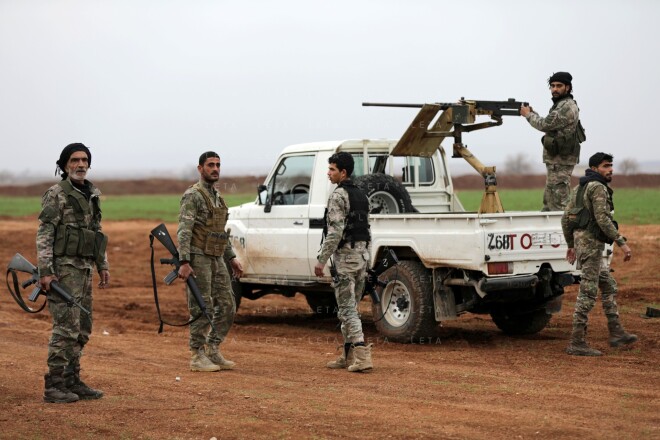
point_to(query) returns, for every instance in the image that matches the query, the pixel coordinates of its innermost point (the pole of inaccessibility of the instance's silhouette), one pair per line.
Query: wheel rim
(383, 203)
(396, 304)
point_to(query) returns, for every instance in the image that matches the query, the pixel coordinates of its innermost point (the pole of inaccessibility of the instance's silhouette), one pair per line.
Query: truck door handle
(298, 223)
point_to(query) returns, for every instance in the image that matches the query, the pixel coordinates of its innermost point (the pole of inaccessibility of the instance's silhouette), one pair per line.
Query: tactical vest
(211, 237)
(78, 240)
(357, 222)
(579, 217)
(564, 145)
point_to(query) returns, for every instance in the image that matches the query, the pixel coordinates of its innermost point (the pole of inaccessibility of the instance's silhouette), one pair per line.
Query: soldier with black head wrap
(561, 142)
(70, 245)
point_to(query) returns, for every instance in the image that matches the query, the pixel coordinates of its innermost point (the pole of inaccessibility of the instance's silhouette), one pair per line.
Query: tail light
(500, 268)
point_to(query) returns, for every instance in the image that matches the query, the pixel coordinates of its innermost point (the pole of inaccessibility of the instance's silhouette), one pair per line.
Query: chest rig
(211, 236)
(357, 222)
(80, 237)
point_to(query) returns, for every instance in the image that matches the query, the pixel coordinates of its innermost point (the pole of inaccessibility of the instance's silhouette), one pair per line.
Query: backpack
(579, 216)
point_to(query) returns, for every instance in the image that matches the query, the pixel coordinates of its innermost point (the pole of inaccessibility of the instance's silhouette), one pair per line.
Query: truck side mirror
(262, 195)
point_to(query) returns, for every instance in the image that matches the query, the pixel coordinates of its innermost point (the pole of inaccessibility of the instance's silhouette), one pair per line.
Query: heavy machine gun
(423, 137)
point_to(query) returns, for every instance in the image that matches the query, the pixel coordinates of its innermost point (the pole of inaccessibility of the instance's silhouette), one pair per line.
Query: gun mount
(424, 136)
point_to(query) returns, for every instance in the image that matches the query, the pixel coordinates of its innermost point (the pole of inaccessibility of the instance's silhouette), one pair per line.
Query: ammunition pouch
(73, 241)
(213, 243)
(562, 145)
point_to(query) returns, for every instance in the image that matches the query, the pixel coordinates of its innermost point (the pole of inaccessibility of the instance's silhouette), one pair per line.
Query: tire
(324, 305)
(405, 312)
(521, 324)
(386, 195)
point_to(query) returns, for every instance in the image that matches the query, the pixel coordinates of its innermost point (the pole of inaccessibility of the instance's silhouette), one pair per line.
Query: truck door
(277, 243)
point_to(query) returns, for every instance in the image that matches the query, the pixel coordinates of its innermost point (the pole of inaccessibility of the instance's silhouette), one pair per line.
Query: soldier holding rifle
(203, 247)
(70, 245)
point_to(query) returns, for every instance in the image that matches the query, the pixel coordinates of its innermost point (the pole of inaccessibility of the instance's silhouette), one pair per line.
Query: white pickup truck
(509, 265)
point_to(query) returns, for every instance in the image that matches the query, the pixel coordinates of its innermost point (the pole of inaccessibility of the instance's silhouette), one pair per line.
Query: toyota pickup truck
(510, 265)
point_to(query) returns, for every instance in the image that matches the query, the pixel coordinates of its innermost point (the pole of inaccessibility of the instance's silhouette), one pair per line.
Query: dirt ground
(469, 382)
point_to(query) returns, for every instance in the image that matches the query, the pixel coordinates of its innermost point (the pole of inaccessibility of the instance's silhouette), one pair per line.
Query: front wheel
(405, 312)
(324, 305)
(521, 324)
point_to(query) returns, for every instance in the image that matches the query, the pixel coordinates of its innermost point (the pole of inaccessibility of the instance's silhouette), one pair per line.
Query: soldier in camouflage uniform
(561, 147)
(346, 239)
(203, 247)
(70, 245)
(586, 242)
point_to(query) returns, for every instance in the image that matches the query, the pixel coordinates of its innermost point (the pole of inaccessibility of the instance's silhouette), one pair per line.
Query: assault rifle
(21, 264)
(388, 260)
(161, 234)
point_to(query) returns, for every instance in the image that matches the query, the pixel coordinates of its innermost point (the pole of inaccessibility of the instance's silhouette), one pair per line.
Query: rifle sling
(153, 281)
(16, 294)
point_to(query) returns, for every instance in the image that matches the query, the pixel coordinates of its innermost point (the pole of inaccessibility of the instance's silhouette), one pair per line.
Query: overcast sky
(149, 85)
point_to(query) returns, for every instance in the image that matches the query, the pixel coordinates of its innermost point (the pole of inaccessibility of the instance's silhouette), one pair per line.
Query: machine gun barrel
(389, 104)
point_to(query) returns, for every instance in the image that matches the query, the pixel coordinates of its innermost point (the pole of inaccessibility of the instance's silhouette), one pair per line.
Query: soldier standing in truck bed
(561, 142)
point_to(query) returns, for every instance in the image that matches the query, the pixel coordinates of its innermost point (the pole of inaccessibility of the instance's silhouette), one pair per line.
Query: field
(467, 382)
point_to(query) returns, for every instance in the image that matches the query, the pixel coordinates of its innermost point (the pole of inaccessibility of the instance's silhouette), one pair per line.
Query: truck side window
(290, 183)
(406, 167)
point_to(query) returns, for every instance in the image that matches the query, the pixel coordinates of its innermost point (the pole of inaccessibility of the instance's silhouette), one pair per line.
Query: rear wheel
(521, 324)
(405, 312)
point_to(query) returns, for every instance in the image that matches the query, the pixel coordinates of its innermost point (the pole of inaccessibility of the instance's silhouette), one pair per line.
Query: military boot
(199, 361)
(344, 360)
(362, 361)
(77, 386)
(214, 355)
(618, 336)
(55, 389)
(578, 345)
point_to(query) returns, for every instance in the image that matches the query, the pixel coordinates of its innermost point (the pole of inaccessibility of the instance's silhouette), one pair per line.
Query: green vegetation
(128, 207)
(633, 206)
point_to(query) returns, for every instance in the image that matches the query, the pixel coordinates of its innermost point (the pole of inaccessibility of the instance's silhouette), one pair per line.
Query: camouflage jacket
(562, 121)
(339, 207)
(193, 210)
(597, 200)
(56, 209)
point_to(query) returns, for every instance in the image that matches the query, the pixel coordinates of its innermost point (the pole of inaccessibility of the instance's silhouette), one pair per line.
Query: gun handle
(374, 296)
(35, 293)
(29, 282)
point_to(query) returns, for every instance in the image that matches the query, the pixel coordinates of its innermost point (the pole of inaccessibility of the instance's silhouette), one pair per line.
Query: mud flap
(444, 302)
(554, 305)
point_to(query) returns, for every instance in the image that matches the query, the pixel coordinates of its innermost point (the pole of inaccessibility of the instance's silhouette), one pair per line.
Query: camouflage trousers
(557, 191)
(351, 264)
(215, 285)
(71, 326)
(595, 275)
